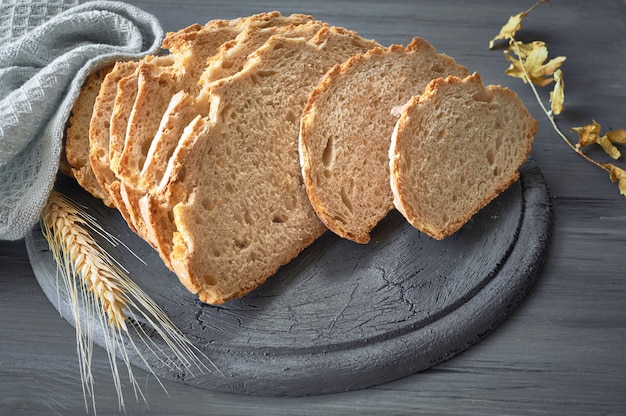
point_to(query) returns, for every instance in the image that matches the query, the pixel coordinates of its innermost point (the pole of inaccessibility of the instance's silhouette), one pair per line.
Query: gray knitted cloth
(47, 50)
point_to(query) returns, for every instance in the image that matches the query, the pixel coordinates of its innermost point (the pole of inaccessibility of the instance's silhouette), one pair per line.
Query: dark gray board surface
(341, 316)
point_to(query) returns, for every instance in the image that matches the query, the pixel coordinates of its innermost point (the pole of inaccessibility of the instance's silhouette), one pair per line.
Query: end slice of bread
(346, 131)
(454, 149)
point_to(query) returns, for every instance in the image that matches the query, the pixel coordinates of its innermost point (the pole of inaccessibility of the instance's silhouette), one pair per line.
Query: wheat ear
(99, 288)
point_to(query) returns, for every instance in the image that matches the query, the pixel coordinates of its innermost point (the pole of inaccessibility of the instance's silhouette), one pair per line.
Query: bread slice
(77, 136)
(346, 130)
(99, 133)
(234, 182)
(454, 149)
(124, 100)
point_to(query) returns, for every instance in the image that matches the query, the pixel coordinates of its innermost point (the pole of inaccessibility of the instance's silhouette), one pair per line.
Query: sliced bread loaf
(346, 131)
(234, 182)
(100, 150)
(142, 98)
(186, 105)
(77, 136)
(157, 84)
(454, 149)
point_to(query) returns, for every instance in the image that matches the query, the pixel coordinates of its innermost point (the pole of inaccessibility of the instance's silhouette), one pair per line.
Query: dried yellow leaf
(588, 134)
(508, 30)
(557, 96)
(608, 147)
(524, 50)
(619, 175)
(529, 64)
(617, 136)
(514, 24)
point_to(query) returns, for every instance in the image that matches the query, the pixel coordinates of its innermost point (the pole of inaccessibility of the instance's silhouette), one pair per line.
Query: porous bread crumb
(454, 149)
(242, 211)
(346, 131)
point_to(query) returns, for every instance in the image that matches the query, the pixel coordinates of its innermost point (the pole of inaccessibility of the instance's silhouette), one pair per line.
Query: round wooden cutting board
(343, 316)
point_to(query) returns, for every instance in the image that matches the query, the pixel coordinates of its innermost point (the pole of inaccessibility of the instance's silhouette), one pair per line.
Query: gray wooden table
(563, 351)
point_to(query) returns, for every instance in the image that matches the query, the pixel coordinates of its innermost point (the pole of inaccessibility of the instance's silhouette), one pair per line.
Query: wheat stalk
(99, 288)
